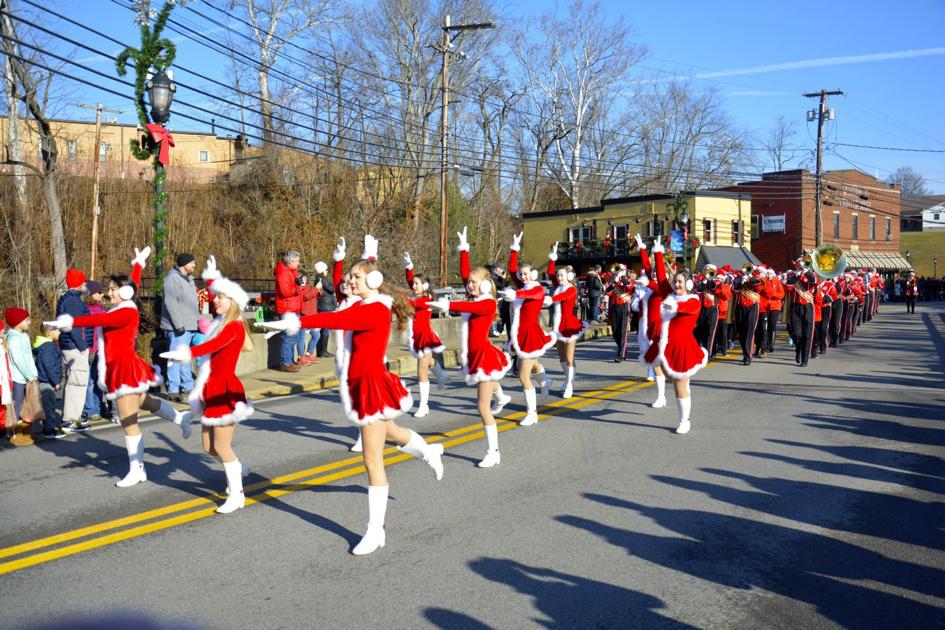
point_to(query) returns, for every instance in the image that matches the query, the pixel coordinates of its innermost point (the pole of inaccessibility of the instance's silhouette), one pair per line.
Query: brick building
(859, 213)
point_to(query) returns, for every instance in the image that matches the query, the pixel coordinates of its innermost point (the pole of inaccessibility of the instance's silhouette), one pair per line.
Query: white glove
(669, 306)
(658, 248)
(210, 272)
(640, 244)
(547, 301)
(507, 294)
(463, 240)
(288, 323)
(63, 322)
(517, 242)
(179, 355)
(370, 248)
(408, 264)
(442, 305)
(339, 254)
(141, 257)
(553, 254)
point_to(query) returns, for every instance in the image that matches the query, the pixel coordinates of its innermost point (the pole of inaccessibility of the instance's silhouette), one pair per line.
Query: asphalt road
(801, 499)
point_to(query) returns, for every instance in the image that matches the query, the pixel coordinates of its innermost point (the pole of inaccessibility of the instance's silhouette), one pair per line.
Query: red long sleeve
(551, 272)
(231, 333)
(409, 274)
(645, 261)
(464, 268)
(362, 317)
(476, 307)
(115, 318)
(337, 274)
(570, 292)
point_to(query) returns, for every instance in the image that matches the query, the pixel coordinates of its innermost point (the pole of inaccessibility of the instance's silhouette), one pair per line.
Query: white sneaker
(568, 391)
(372, 541)
(233, 503)
(683, 427)
(530, 419)
(134, 477)
(500, 404)
(546, 386)
(356, 447)
(491, 459)
(421, 412)
(659, 404)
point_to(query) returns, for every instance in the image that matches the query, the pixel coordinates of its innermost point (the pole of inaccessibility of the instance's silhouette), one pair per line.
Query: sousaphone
(828, 261)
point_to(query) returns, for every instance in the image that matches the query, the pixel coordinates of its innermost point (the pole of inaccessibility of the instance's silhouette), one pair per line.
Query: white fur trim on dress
(480, 375)
(664, 340)
(140, 388)
(556, 320)
(422, 352)
(513, 338)
(388, 413)
(643, 323)
(240, 412)
(383, 298)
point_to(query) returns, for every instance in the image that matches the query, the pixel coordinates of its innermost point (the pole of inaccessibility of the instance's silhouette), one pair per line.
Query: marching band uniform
(619, 296)
(722, 334)
(828, 295)
(775, 295)
(708, 320)
(818, 319)
(831, 290)
(802, 316)
(911, 291)
(761, 330)
(746, 313)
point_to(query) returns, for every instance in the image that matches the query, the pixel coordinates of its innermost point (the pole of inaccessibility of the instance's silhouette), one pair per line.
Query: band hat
(74, 278)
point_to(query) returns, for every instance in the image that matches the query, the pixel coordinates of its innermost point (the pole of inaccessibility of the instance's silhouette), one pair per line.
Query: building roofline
(131, 126)
(637, 199)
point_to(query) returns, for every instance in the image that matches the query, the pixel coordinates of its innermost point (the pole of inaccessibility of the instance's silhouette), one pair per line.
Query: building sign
(773, 223)
(677, 242)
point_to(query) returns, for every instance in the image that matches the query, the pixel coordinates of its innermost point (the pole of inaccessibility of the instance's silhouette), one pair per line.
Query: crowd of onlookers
(930, 289)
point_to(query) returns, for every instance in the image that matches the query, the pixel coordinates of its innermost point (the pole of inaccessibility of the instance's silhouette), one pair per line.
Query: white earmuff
(570, 276)
(126, 292)
(689, 284)
(485, 286)
(533, 275)
(374, 279)
(425, 286)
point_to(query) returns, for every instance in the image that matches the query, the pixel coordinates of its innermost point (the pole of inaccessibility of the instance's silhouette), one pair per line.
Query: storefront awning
(736, 257)
(881, 261)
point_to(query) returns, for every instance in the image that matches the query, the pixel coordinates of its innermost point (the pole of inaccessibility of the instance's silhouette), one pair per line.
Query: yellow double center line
(109, 532)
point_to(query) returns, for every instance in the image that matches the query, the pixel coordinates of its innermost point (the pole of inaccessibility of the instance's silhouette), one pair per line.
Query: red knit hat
(14, 315)
(74, 278)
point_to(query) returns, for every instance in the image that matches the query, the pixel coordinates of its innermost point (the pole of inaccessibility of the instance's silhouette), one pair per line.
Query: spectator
(179, 312)
(288, 300)
(6, 387)
(500, 281)
(49, 373)
(22, 366)
(308, 353)
(95, 403)
(595, 288)
(203, 327)
(75, 351)
(327, 302)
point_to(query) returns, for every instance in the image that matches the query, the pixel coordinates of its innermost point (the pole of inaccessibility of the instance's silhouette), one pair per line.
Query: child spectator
(22, 366)
(310, 294)
(7, 424)
(203, 326)
(49, 368)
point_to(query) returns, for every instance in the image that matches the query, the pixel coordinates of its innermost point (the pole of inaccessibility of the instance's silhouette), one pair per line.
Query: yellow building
(197, 157)
(718, 230)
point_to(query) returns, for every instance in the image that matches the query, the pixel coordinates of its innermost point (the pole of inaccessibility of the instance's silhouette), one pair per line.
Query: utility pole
(444, 130)
(821, 114)
(96, 154)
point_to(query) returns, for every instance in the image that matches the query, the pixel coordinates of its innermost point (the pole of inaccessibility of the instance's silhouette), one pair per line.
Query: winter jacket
(179, 309)
(70, 303)
(288, 294)
(48, 360)
(22, 366)
(594, 285)
(327, 302)
(95, 309)
(309, 300)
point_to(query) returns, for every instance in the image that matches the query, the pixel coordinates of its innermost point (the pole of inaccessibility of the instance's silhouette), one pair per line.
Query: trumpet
(828, 261)
(710, 275)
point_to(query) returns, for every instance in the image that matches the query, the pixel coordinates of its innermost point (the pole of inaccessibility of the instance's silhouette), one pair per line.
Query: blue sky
(888, 58)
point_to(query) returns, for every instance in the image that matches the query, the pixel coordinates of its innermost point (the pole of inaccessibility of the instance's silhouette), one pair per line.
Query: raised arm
(338, 269)
(463, 249)
(408, 269)
(661, 278)
(552, 258)
(513, 253)
(644, 257)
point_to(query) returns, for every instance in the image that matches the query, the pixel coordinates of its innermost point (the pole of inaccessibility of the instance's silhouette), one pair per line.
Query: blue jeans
(51, 408)
(594, 301)
(313, 335)
(19, 397)
(94, 404)
(287, 352)
(179, 377)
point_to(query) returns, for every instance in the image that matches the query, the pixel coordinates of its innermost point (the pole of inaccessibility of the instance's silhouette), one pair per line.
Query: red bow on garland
(161, 136)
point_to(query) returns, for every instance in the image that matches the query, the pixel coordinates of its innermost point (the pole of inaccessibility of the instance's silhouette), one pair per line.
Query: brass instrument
(828, 261)
(806, 261)
(710, 275)
(747, 268)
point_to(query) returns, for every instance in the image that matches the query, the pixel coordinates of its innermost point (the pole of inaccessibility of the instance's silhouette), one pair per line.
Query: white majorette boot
(546, 382)
(531, 406)
(356, 447)
(244, 470)
(568, 383)
(501, 400)
(492, 457)
(234, 482)
(136, 474)
(660, 392)
(430, 453)
(684, 404)
(441, 375)
(166, 412)
(423, 409)
(375, 536)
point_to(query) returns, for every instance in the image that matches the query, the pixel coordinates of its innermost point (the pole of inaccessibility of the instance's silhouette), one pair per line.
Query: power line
(870, 146)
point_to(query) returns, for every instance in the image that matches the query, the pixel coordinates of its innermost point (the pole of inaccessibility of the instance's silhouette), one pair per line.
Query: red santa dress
(218, 397)
(651, 306)
(528, 338)
(565, 325)
(369, 392)
(481, 360)
(680, 354)
(421, 340)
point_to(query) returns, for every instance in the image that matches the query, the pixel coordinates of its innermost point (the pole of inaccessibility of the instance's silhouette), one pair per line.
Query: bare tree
(32, 86)
(911, 183)
(779, 143)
